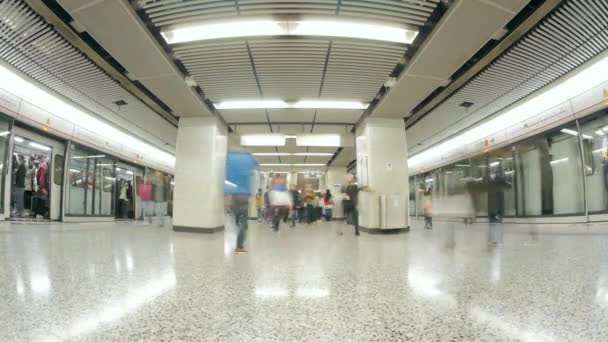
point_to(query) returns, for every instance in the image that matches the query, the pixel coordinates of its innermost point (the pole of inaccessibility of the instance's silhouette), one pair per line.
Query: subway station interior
(304, 170)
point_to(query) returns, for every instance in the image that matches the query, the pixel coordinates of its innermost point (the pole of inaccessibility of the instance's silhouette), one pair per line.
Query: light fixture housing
(287, 165)
(262, 140)
(263, 27)
(252, 104)
(329, 104)
(281, 104)
(318, 140)
(303, 154)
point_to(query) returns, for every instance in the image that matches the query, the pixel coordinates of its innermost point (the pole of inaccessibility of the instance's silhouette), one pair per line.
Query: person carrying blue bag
(240, 168)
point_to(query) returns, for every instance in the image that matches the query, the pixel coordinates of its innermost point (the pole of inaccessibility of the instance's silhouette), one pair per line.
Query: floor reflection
(133, 282)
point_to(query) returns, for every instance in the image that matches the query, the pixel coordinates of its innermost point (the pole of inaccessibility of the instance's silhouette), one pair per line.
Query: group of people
(30, 185)
(279, 202)
(295, 205)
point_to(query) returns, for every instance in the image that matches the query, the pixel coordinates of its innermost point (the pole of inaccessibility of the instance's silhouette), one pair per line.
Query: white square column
(382, 167)
(198, 204)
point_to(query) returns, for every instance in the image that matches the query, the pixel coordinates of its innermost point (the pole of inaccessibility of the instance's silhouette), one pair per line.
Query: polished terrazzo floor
(136, 282)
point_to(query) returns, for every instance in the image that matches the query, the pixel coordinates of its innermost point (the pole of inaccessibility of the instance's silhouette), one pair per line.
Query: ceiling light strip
(281, 104)
(305, 27)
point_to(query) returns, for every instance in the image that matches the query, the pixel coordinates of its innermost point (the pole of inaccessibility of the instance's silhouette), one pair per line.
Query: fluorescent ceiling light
(496, 163)
(301, 27)
(271, 154)
(569, 131)
(314, 154)
(316, 140)
(281, 104)
(75, 171)
(262, 140)
(18, 139)
(5, 133)
(252, 104)
(327, 104)
(40, 147)
(303, 164)
(309, 154)
(129, 172)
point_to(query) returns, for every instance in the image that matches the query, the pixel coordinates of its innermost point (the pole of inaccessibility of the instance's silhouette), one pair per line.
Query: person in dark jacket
(296, 201)
(350, 202)
(20, 185)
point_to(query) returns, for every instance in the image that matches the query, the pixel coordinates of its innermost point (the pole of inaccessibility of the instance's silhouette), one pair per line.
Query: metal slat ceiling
(289, 68)
(572, 35)
(33, 47)
(281, 61)
(356, 70)
(175, 12)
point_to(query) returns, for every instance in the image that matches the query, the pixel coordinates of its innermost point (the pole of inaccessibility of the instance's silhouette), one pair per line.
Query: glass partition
(538, 176)
(91, 183)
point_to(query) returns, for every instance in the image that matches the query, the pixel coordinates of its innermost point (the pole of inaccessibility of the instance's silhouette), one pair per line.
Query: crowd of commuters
(304, 206)
(279, 203)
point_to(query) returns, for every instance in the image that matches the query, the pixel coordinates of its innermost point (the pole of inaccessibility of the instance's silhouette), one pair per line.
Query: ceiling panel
(338, 115)
(291, 115)
(289, 68)
(357, 69)
(177, 12)
(244, 115)
(221, 68)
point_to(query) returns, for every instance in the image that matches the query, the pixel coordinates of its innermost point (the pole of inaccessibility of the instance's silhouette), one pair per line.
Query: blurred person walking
(296, 200)
(267, 208)
(350, 202)
(240, 167)
(309, 199)
(259, 204)
(328, 204)
(428, 208)
(280, 201)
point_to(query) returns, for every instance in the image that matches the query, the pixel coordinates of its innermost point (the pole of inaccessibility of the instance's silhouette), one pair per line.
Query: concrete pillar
(382, 167)
(199, 175)
(334, 180)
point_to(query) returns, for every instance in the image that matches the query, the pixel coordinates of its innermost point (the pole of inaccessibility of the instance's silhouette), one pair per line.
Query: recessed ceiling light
(271, 154)
(262, 140)
(328, 104)
(317, 140)
(310, 154)
(252, 104)
(301, 27)
(281, 104)
(303, 164)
